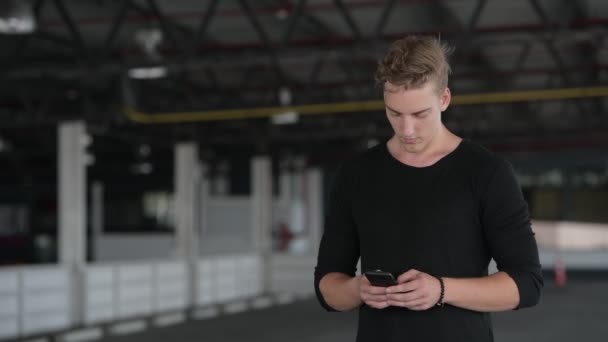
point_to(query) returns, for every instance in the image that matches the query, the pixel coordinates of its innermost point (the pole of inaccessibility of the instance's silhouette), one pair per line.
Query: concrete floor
(578, 312)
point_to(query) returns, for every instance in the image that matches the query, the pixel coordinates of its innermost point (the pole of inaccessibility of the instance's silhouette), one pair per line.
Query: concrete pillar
(285, 174)
(72, 208)
(298, 220)
(261, 207)
(72, 194)
(221, 181)
(314, 206)
(97, 212)
(204, 195)
(567, 198)
(186, 183)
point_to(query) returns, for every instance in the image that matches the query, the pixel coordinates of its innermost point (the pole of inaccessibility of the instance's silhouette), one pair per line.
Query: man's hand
(416, 291)
(373, 296)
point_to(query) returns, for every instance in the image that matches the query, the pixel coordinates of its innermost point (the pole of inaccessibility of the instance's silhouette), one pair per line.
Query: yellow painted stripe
(361, 106)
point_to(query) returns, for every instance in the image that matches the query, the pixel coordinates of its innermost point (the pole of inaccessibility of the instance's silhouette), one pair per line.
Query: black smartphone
(380, 278)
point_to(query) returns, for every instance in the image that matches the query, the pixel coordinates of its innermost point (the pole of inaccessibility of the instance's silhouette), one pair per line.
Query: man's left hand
(416, 291)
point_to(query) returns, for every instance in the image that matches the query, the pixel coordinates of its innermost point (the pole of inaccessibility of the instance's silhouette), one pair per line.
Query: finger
(407, 276)
(377, 305)
(421, 307)
(404, 287)
(406, 297)
(375, 298)
(412, 305)
(373, 289)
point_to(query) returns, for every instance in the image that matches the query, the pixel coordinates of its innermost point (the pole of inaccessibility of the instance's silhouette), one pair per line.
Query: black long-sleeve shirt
(448, 219)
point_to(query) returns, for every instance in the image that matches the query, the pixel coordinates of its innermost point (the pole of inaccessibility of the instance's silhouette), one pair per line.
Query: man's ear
(445, 99)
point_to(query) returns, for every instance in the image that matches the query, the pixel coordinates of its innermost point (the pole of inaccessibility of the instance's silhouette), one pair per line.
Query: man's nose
(407, 126)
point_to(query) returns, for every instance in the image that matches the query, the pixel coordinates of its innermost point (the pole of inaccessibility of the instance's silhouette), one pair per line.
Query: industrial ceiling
(159, 71)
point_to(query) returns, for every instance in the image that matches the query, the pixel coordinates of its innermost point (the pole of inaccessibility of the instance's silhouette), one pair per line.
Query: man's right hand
(372, 296)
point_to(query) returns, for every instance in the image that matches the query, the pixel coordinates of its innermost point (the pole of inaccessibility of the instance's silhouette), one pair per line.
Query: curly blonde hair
(413, 61)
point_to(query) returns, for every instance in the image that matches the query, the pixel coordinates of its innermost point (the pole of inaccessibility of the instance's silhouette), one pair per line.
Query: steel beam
(348, 19)
(74, 31)
(203, 26)
(165, 27)
(386, 11)
(117, 22)
(293, 20)
(264, 39)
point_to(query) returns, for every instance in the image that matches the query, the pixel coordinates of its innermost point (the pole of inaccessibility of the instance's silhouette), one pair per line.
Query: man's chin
(411, 148)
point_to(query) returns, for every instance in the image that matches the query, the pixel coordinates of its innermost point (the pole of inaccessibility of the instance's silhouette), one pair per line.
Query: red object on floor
(560, 277)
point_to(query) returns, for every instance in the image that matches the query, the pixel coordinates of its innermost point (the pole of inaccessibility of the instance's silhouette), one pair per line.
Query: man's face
(415, 114)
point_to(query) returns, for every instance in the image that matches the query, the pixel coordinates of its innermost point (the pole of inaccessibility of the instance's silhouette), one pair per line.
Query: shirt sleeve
(508, 232)
(339, 247)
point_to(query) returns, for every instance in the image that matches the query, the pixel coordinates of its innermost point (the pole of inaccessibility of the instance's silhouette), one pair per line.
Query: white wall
(40, 299)
(133, 246)
(227, 226)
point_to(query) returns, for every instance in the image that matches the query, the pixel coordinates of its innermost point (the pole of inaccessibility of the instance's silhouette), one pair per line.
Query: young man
(432, 209)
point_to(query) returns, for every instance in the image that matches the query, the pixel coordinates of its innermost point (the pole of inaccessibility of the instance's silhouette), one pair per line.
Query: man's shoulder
(480, 155)
(484, 163)
(364, 159)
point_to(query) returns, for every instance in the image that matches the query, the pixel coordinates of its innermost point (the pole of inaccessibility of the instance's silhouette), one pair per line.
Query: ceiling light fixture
(148, 73)
(148, 41)
(16, 17)
(285, 118)
(289, 116)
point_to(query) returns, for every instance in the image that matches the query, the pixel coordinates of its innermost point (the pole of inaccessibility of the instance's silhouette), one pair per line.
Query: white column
(204, 195)
(186, 180)
(97, 212)
(221, 182)
(186, 183)
(285, 174)
(72, 208)
(314, 206)
(298, 220)
(261, 207)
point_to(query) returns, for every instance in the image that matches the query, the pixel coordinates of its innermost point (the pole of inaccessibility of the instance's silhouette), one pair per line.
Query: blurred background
(169, 161)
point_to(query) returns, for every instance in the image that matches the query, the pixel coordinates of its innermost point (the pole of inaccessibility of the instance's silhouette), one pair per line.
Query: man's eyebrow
(414, 113)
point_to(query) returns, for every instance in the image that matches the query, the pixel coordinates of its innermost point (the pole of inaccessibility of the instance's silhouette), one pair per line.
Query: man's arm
(421, 291)
(497, 292)
(340, 291)
(343, 292)
(335, 273)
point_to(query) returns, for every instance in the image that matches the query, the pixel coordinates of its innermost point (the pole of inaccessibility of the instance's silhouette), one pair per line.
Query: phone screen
(380, 278)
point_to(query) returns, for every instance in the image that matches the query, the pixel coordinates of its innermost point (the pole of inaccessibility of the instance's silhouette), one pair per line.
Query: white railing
(571, 236)
(44, 299)
(223, 279)
(9, 303)
(34, 300)
(575, 244)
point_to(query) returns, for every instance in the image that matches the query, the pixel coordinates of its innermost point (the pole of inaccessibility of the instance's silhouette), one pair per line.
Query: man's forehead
(396, 88)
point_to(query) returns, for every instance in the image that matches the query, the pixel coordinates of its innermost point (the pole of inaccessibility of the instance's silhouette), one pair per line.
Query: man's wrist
(447, 284)
(354, 288)
(441, 299)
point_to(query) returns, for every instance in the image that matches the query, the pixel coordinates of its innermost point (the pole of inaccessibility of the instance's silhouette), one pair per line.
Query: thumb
(407, 276)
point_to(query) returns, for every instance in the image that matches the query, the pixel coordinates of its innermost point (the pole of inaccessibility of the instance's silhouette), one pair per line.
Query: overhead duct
(362, 106)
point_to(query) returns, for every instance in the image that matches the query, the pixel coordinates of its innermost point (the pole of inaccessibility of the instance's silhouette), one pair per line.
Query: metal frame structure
(237, 54)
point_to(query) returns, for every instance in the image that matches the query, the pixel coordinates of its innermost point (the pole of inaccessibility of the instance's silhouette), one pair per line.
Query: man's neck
(441, 145)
